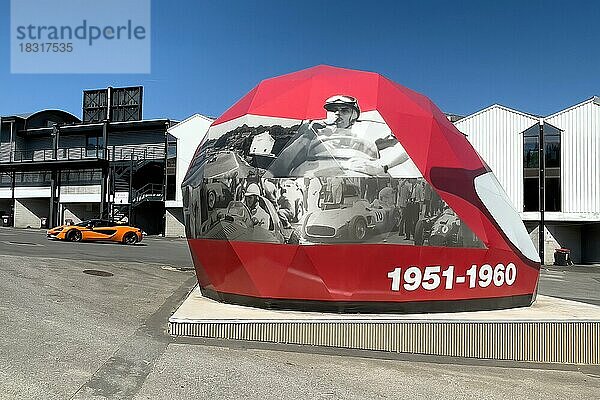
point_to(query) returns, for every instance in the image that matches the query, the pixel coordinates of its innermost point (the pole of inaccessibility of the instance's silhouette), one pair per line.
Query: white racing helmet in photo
(342, 100)
(252, 190)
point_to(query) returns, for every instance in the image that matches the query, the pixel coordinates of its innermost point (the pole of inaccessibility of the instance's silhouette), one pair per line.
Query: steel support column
(104, 141)
(52, 212)
(165, 180)
(542, 199)
(129, 209)
(12, 196)
(55, 139)
(104, 183)
(13, 146)
(103, 191)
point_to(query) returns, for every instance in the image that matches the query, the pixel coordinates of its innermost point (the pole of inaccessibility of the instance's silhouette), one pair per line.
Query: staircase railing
(148, 192)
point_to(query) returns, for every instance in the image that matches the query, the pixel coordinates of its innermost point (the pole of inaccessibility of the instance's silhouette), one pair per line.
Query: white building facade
(188, 135)
(507, 140)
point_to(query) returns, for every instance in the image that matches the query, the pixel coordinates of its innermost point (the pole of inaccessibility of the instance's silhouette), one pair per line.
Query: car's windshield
(84, 223)
(344, 147)
(237, 209)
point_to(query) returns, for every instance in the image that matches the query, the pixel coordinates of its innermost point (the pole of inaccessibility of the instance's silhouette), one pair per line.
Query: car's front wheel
(74, 236)
(130, 238)
(420, 233)
(358, 229)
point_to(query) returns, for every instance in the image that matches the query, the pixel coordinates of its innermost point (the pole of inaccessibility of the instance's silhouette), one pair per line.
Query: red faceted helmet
(396, 213)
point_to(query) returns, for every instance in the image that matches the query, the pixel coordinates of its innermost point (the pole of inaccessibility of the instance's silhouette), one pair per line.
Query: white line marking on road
(552, 278)
(551, 272)
(21, 243)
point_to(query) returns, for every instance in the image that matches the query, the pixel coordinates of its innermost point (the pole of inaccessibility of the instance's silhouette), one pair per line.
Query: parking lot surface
(68, 332)
(153, 249)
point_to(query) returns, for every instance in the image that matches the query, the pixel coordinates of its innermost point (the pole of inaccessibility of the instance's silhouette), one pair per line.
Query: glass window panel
(552, 194)
(172, 150)
(171, 187)
(92, 141)
(551, 130)
(530, 152)
(533, 131)
(92, 146)
(551, 173)
(532, 173)
(531, 194)
(552, 150)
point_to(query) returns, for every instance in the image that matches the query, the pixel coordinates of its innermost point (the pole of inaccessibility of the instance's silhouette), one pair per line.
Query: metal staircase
(122, 181)
(148, 192)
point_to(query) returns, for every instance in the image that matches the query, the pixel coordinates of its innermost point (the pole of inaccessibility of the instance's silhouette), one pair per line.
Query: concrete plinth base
(551, 331)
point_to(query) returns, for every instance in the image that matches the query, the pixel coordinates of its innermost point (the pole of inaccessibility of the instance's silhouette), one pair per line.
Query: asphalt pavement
(68, 332)
(576, 282)
(152, 249)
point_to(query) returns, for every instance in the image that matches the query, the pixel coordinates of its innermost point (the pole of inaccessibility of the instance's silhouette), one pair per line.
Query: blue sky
(535, 56)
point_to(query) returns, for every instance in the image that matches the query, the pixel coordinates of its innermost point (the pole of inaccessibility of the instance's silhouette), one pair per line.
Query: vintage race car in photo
(96, 230)
(344, 222)
(444, 229)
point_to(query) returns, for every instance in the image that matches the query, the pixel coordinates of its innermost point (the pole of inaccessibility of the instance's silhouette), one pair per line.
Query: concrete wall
(174, 225)
(32, 192)
(5, 193)
(556, 237)
(569, 237)
(29, 211)
(80, 194)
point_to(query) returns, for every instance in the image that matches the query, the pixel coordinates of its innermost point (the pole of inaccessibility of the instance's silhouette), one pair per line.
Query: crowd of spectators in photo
(411, 198)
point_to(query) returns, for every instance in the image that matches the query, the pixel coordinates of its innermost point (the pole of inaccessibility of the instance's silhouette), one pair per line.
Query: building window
(81, 177)
(172, 150)
(531, 186)
(171, 170)
(37, 178)
(94, 146)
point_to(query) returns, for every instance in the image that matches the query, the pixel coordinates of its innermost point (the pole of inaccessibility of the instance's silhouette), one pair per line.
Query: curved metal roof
(64, 115)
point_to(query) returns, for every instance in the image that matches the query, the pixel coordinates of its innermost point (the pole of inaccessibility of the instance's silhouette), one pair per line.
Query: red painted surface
(349, 272)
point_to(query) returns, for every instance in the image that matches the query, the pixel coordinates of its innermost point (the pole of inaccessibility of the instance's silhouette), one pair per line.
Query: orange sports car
(96, 229)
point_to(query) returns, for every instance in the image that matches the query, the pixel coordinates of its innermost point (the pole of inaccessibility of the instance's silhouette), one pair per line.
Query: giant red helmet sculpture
(340, 190)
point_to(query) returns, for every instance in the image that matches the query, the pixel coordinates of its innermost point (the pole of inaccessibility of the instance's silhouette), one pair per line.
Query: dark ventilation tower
(112, 104)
